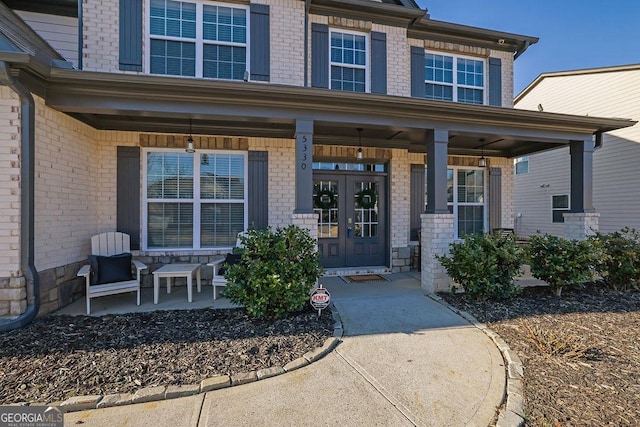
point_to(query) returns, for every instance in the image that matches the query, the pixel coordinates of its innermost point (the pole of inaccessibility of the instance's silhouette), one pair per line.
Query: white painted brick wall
(287, 41)
(281, 177)
(66, 188)
(508, 182)
(507, 76)
(9, 183)
(437, 234)
(400, 198)
(398, 60)
(100, 35)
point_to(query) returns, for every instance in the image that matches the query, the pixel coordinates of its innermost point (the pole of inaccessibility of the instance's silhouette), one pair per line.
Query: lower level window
(194, 201)
(466, 200)
(559, 205)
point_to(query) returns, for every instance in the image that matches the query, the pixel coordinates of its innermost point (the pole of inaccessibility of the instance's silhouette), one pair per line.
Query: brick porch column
(580, 225)
(308, 221)
(437, 234)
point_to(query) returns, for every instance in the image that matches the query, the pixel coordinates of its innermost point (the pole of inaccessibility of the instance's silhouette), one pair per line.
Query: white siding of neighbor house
(61, 32)
(616, 172)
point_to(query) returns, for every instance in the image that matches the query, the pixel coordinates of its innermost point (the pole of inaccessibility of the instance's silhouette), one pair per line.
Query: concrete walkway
(404, 360)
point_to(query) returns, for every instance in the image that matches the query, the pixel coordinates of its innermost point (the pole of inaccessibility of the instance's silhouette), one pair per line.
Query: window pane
(560, 202)
(348, 49)
(220, 224)
(170, 225)
(470, 220)
(221, 176)
(172, 57)
(169, 175)
(348, 79)
(224, 62)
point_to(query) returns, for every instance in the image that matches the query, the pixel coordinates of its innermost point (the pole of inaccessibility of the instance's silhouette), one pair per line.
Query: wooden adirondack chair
(109, 262)
(218, 277)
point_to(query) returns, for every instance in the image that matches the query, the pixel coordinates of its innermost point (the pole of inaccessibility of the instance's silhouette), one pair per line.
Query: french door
(352, 223)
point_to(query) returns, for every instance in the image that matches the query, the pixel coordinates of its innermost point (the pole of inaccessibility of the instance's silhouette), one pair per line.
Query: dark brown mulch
(61, 356)
(581, 352)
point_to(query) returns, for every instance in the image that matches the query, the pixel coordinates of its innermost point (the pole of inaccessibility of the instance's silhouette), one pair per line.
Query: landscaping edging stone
(155, 393)
(512, 413)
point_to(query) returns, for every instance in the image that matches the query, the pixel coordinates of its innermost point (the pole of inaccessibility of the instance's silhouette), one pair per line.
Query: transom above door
(352, 219)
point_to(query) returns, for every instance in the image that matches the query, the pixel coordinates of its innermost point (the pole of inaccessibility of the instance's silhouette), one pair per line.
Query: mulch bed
(581, 352)
(57, 357)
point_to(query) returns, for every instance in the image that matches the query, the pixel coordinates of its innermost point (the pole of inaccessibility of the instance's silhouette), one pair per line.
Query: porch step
(354, 271)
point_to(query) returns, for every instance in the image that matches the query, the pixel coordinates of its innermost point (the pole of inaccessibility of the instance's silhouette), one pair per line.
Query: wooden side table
(170, 271)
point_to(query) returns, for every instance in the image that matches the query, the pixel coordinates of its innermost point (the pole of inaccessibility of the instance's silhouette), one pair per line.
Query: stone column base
(437, 234)
(13, 296)
(579, 226)
(308, 221)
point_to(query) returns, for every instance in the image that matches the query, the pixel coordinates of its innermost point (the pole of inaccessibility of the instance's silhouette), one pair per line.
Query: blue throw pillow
(230, 259)
(110, 269)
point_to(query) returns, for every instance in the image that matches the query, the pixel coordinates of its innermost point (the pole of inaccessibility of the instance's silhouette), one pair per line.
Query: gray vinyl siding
(61, 32)
(616, 172)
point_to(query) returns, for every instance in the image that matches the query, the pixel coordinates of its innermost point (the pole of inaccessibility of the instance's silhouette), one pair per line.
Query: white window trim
(456, 204)
(196, 202)
(366, 67)
(567, 209)
(521, 159)
(199, 40)
(455, 85)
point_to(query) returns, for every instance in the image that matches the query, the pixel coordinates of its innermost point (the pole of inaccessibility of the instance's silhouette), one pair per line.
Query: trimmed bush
(276, 272)
(620, 265)
(485, 265)
(561, 262)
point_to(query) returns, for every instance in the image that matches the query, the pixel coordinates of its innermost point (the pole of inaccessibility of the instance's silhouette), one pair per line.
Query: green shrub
(485, 265)
(620, 263)
(561, 262)
(276, 273)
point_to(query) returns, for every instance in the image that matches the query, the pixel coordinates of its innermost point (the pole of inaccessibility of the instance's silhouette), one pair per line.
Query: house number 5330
(304, 152)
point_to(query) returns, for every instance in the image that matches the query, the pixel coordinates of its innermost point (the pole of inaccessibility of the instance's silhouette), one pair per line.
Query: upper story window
(454, 78)
(521, 165)
(197, 39)
(348, 61)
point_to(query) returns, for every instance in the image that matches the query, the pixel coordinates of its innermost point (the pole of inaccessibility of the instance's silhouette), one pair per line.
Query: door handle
(349, 230)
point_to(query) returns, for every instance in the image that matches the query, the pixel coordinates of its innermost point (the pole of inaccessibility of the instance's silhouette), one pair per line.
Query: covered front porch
(406, 136)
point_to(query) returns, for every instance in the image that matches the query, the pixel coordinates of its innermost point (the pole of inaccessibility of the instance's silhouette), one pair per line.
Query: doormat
(365, 278)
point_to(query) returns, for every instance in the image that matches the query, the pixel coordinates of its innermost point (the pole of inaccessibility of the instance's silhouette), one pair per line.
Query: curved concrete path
(404, 360)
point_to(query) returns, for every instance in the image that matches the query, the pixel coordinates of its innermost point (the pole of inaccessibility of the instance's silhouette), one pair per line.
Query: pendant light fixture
(359, 154)
(482, 162)
(190, 148)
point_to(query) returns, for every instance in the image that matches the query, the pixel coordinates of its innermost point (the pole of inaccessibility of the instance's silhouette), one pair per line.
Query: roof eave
(309, 99)
(474, 36)
(380, 13)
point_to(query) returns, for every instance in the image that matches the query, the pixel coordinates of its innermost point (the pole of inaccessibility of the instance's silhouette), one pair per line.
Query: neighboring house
(329, 114)
(542, 193)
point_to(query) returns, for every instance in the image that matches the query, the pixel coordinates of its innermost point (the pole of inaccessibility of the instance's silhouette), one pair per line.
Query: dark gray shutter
(319, 55)
(258, 188)
(131, 35)
(495, 82)
(128, 194)
(378, 62)
(495, 198)
(417, 72)
(416, 199)
(260, 54)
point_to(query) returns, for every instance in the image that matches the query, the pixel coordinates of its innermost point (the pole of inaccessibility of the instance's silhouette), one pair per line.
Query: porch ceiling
(164, 104)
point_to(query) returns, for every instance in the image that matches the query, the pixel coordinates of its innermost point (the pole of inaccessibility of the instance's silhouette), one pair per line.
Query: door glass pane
(325, 204)
(366, 209)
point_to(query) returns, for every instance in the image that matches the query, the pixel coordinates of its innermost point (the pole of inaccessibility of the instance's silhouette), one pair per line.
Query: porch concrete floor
(126, 303)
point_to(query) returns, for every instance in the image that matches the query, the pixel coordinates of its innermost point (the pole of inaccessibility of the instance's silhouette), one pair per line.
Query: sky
(574, 34)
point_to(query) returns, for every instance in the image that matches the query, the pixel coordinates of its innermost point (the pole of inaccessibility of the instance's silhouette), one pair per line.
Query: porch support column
(304, 169)
(303, 215)
(582, 219)
(436, 223)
